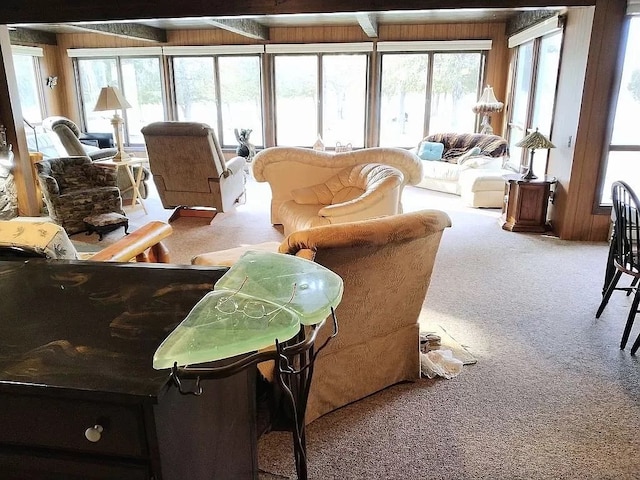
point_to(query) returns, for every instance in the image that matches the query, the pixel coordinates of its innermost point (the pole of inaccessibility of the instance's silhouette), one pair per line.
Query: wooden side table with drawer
(78, 395)
(526, 203)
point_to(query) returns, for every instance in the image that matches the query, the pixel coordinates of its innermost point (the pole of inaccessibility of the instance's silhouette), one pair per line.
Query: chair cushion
(348, 184)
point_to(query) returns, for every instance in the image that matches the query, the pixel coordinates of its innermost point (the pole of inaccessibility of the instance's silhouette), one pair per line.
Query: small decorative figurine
(245, 148)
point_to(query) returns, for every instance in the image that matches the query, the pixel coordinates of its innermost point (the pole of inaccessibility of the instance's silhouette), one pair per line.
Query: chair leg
(636, 344)
(633, 285)
(608, 292)
(630, 319)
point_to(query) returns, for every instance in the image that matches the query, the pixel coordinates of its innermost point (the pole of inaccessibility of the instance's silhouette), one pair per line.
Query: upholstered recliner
(290, 168)
(72, 141)
(74, 188)
(189, 168)
(359, 192)
(386, 266)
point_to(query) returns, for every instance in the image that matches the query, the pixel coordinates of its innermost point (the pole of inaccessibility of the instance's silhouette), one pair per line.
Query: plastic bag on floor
(440, 363)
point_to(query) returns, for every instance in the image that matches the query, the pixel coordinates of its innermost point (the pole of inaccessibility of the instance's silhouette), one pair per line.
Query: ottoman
(482, 188)
(105, 222)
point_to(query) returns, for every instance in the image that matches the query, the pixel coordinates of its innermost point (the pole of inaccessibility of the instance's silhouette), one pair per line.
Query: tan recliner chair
(386, 266)
(189, 168)
(290, 168)
(355, 193)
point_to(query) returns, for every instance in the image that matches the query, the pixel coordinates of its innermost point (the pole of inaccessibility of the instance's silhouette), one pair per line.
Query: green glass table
(264, 300)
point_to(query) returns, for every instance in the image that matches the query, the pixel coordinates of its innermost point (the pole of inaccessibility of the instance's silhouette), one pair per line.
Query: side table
(128, 165)
(526, 203)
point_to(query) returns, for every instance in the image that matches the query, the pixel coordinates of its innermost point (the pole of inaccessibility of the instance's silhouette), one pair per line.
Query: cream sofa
(359, 192)
(290, 168)
(476, 178)
(386, 266)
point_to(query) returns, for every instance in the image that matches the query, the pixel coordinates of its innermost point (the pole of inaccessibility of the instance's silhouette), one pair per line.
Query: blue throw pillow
(430, 150)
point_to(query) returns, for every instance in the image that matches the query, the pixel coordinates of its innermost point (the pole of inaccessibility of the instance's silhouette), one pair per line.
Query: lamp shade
(534, 141)
(488, 103)
(111, 99)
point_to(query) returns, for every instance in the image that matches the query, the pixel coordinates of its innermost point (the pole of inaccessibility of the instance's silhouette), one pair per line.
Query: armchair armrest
(235, 165)
(50, 184)
(143, 244)
(102, 176)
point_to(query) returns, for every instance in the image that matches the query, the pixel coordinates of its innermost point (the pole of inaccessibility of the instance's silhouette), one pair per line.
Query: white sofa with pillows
(465, 164)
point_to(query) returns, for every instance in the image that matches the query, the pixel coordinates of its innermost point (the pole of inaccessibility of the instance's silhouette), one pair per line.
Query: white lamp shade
(111, 99)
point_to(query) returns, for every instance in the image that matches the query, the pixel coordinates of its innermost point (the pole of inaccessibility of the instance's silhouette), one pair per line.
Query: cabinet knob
(93, 434)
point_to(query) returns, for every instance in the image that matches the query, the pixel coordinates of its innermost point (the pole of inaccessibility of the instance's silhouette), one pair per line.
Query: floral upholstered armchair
(74, 188)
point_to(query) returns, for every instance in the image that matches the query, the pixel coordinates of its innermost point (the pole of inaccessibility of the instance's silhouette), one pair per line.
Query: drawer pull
(93, 434)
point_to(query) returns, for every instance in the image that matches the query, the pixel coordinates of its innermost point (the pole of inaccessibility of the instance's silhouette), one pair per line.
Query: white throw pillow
(467, 155)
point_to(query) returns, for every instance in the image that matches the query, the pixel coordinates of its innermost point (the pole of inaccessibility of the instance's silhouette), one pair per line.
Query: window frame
(431, 49)
(94, 54)
(600, 208)
(532, 95)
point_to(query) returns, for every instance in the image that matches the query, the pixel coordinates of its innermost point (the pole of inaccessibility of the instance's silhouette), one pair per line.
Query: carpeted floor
(551, 396)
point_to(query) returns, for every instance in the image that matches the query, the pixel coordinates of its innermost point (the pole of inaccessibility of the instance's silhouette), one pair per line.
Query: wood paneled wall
(587, 80)
(496, 68)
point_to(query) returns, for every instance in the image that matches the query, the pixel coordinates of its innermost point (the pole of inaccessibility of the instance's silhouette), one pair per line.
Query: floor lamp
(487, 104)
(112, 99)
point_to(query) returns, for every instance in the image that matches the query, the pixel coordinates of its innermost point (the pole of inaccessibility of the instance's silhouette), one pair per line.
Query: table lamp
(533, 141)
(487, 104)
(112, 99)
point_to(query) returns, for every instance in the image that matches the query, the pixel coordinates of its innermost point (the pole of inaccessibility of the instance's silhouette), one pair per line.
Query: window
(93, 75)
(142, 87)
(140, 82)
(623, 156)
(321, 93)
(29, 80)
(296, 99)
(454, 91)
(537, 63)
(240, 98)
(427, 91)
(194, 90)
(403, 95)
(223, 91)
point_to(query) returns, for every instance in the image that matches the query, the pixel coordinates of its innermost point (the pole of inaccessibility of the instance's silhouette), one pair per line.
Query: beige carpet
(551, 396)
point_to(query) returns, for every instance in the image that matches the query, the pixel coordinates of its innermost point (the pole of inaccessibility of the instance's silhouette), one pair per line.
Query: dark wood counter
(76, 364)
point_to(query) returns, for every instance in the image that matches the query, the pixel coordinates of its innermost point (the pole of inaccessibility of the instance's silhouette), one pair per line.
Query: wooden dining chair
(624, 253)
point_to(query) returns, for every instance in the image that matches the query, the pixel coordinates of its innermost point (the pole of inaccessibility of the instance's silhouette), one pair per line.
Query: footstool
(105, 223)
(482, 188)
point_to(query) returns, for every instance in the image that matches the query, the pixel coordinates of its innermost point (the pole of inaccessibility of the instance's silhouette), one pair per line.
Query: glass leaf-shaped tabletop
(263, 297)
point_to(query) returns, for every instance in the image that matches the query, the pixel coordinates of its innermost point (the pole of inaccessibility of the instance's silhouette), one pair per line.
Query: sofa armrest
(143, 244)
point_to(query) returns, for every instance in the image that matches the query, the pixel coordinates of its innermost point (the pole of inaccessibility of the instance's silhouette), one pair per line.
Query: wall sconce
(52, 81)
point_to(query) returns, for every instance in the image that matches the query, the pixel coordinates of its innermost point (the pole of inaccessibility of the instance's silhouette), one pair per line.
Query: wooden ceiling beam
(133, 31)
(368, 23)
(45, 11)
(26, 36)
(242, 26)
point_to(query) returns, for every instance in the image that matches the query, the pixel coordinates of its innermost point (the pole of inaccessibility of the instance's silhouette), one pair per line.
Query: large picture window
(537, 63)
(427, 92)
(140, 81)
(28, 77)
(320, 95)
(623, 156)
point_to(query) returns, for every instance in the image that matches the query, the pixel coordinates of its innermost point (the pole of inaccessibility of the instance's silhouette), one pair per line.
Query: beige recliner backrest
(188, 165)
